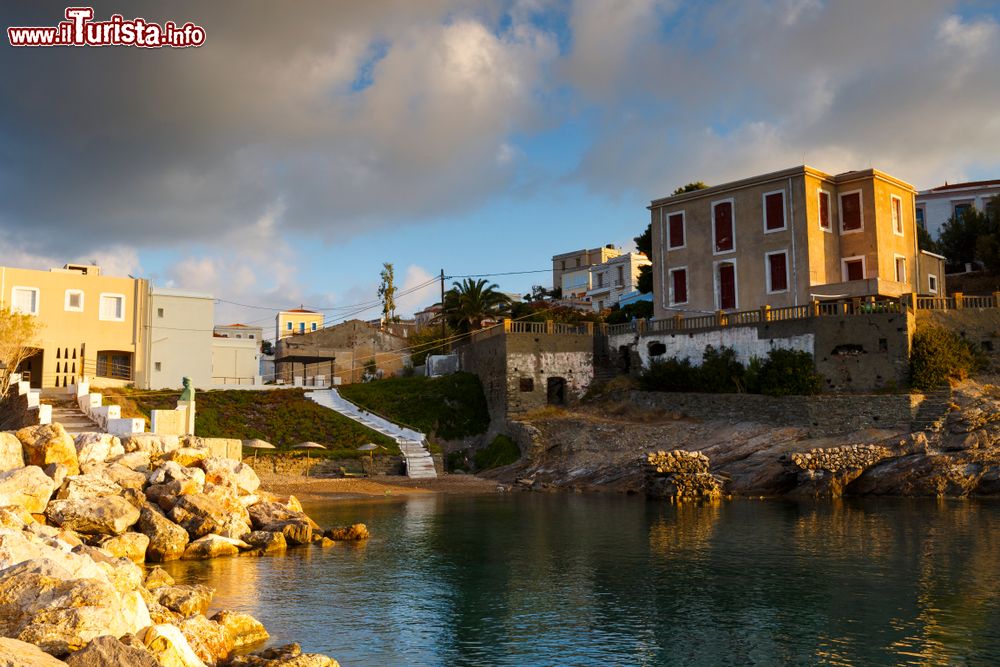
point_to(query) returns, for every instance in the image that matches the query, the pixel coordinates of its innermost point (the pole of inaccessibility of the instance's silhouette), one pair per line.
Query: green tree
(387, 293)
(644, 242)
(470, 302)
(963, 238)
(926, 242)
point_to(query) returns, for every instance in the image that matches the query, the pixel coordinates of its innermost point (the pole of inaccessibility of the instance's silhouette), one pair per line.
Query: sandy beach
(347, 488)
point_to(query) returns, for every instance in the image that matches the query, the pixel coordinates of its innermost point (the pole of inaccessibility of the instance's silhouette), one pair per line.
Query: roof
(300, 310)
(962, 186)
(232, 326)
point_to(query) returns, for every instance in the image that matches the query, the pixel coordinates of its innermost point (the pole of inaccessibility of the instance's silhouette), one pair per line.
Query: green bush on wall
(782, 373)
(501, 452)
(939, 356)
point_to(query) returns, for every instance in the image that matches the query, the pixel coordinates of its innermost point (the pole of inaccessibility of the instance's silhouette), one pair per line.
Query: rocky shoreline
(84, 519)
(624, 449)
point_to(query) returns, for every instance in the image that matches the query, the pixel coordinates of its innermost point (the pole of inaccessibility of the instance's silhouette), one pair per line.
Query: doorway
(556, 391)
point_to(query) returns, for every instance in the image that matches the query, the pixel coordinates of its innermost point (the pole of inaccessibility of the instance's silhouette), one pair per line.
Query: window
(25, 300)
(920, 217)
(159, 312)
(527, 384)
(851, 218)
(774, 211)
(314, 326)
(777, 271)
(722, 227)
(960, 210)
(250, 336)
(112, 307)
(578, 262)
(725, 277)
(678, 286)
(116, 365)
(900, 263)
(289, 327)
(562, 265)
(302, 327)
(621, 276)
(600, 279)
(158, 366)
(237, 335)
(896, 207)
(73, 301)
(932, 283)
(675, 230)
(824, 210)
(853, 268)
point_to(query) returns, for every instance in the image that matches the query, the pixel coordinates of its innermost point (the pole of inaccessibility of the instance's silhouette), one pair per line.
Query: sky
(304, 144)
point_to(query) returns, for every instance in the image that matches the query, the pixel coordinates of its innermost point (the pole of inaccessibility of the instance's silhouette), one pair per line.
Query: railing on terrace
(958, 301)
(535, 328)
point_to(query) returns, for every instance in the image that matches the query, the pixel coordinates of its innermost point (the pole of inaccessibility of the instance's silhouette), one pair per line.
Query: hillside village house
(114, 331)
(239, 331)
(614, 278)
(787, 238)
(339, 354)
(937, 205)
(296, 321)
(571, 270)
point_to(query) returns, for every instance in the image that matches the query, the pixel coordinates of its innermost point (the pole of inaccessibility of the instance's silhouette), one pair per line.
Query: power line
(502, 273)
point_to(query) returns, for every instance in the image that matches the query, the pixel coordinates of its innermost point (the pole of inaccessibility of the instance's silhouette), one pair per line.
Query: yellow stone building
(787, 238)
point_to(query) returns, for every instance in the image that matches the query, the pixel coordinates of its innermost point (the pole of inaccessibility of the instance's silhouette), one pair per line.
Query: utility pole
(442, 311)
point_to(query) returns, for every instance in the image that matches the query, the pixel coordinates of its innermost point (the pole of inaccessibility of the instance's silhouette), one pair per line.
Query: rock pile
(680, 475)
(78, 518)
(837, 459)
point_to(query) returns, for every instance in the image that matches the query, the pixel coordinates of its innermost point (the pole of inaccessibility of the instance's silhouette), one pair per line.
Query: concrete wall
(180, 339)
(70, 339)
(852, 353)
(821, 415)
(487, 358)
(235, 361)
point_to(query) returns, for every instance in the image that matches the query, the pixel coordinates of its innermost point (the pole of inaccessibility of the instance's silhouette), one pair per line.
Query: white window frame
(932, 283)
(732, 202)
(861, 211)
(784, 211)
(73, 309)
(38, 299)
(736, 282)
(897, 225)
(684, 230)
(100, 307)
(843, 267)
(670, 286)
(767, 272)
(829, 209)
(895, 267)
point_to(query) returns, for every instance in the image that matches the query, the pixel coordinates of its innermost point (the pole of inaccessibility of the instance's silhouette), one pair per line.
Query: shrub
(501, 452)
(940, 356)
(720, 372)
(787, 373)
(671, 374)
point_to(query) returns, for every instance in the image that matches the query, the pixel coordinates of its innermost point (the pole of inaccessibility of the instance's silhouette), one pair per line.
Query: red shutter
(727, 286)
(676, 230)
(779, 272)
(680, 286)
(723, 227)
(774, 211)
(850, 209)
(824, 210)
(855, 270)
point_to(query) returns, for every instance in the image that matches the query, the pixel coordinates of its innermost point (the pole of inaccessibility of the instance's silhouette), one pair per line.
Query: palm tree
(470, 302)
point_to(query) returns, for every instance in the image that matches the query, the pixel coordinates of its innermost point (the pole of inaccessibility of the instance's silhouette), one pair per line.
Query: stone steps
(72, 419)
(932, 411)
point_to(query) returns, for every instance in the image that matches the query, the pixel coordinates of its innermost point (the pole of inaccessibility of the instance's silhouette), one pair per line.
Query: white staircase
(412, 444)
(72, 418)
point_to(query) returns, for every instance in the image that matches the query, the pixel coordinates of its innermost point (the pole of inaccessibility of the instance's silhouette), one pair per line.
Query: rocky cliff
(607, 447)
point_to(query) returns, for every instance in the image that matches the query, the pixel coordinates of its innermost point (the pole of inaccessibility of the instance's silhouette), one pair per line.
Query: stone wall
(318, 467)
(977, 325)
(487, 358)
(565, 359)
(821, 415)
(855, 353)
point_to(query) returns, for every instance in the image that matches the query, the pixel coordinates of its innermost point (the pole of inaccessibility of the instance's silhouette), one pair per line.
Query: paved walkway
(413, 444)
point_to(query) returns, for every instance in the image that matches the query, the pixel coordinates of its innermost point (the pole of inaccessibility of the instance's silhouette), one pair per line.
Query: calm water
(530, 579)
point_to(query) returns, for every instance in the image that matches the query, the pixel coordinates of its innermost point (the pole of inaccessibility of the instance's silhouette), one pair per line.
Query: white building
(239, 331)
(612, 279)
(937, 205)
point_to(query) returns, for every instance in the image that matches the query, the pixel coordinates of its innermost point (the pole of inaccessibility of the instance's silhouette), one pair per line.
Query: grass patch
(501, 452)
(450, 407)
(283, 417)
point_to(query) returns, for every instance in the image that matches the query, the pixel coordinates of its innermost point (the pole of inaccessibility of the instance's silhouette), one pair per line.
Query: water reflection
(534, 579)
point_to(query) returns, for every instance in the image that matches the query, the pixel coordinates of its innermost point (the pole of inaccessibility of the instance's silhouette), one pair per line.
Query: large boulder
(167, 540)
(209, 640)
(170, 647)
(186, 456)
(127, 545)
(108, 651)
(27, 487)
(244, 629)
(267, 540)
(267, 512)
(108, 515)
(11, 452)
(184, 599)
(17, 547)
(15, 517)
(213, 546)
(217, 510)
(235, 474)
(171, 470)
(133, 461)
(96, 448)
(49, 443)
(289, 655)
(15, 653)
(356, 531)
(40, 603)
(295, 532)
(88, 486)
(157, 577)
(151, 443)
